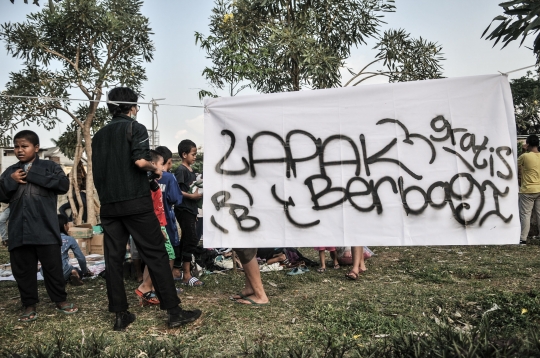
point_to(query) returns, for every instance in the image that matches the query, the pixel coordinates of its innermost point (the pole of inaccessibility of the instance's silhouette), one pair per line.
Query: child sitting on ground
(74, 275)
(31, 187)
(322, 256)
(146, 289)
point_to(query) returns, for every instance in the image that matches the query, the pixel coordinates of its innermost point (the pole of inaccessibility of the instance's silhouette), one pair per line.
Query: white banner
(418, 163)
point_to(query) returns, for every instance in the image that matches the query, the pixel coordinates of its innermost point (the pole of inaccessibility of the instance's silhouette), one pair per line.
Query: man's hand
(19, 176)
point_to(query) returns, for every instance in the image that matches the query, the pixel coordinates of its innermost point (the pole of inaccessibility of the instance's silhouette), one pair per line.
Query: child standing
(172, 196)
(186, 213)
(31, 187)
(146, 288)
(322, 256)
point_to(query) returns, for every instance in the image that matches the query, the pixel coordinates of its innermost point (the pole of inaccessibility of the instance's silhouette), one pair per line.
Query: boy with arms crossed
(31, 187)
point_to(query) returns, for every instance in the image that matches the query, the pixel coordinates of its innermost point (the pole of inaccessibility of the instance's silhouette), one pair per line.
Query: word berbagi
(468, 142)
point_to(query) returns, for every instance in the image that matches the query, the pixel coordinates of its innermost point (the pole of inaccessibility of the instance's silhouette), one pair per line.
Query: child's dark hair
(30, 136)
(185, 146)
(155, 155)
(121, 94)
(62, 222)
(165, 153)
(532, 140)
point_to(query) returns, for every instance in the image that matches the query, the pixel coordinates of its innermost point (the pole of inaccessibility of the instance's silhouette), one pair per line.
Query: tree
(84, 46)
(526, 94)
(286, 45)
(520, 17)
(405, 59)
(36, 2)
(67, 142)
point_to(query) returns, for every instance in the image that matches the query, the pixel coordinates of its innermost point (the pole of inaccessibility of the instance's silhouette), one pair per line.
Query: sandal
(336, 267)
(351, 275)
(147, 298)
(251, 302)
(76, 280)
(29, 317)
(295, 271)
(321, 270)
(68, 308)
(193, 282)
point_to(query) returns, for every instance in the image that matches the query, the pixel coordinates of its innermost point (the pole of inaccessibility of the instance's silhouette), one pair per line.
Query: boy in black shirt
(31, 187)
(186, 213)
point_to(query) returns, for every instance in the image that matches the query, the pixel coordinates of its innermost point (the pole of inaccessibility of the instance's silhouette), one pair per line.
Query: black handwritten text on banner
(419, 163)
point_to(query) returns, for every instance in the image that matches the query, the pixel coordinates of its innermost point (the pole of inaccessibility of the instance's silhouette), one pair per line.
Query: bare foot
(75, 279)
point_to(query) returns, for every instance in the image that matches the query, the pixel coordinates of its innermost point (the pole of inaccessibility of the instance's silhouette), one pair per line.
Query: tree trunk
(91, 215)
(78, 214)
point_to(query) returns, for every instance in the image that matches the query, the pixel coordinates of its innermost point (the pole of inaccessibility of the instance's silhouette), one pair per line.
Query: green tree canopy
(520, 18)
(286, 45)
(82, 47)
(526, 94)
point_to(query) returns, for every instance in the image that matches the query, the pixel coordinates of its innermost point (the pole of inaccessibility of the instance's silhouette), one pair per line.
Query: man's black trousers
(24, 261)
(146, 232)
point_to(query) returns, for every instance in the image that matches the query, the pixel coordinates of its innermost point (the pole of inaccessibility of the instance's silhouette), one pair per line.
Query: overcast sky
(175, 73)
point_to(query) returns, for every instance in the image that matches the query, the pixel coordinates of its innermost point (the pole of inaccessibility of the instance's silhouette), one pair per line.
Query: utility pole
(154, 126)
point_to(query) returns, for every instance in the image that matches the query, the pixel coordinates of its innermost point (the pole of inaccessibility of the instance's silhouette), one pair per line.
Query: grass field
(412, 301)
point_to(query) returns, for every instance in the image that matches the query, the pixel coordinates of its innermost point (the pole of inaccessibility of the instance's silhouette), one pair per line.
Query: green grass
(412, 301)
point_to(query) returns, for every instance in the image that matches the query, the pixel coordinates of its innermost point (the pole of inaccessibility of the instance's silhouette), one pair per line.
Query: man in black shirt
(121, 160)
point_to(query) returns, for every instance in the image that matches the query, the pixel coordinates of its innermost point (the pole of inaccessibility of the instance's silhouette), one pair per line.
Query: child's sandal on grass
(194, 282)
(351, 275)
(336, 267)
(67, 308)
(147, 298)
(321, 270)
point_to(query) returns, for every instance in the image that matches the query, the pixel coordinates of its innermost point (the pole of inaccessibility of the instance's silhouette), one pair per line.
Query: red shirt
(157, 200)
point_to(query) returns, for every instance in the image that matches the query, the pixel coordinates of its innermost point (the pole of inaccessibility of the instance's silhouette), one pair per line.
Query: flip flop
(321, 270)
(351, 275)
(68, 306)
(242, 297)
(295, 271)
(336, 266)
(193, 282)
(27, 317)
(251, 302)
(76, 280)
(149, 297)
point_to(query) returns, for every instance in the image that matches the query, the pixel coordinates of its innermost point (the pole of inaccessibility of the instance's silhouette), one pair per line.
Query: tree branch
(360, 73)
(52, 52)
(365, 78)
(79, 122)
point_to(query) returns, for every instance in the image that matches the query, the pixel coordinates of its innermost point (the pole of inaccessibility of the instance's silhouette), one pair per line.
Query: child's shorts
(168, 246)
(135, 253)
